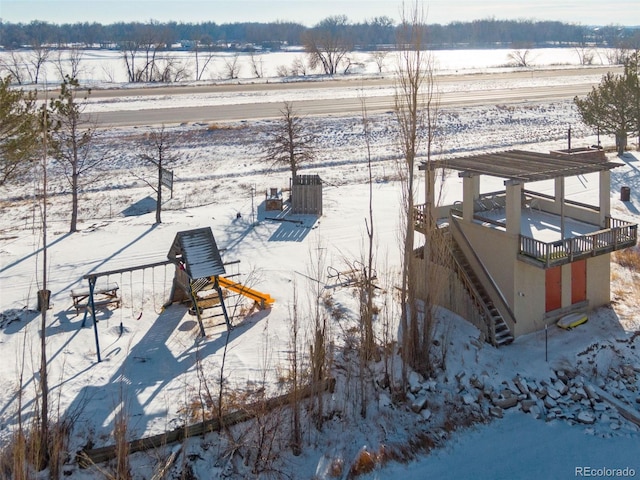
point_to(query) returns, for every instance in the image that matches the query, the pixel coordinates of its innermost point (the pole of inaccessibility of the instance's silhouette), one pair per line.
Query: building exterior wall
(599, 280)
(529, 302)
(449, 293)
(498, 252)
(523, 285)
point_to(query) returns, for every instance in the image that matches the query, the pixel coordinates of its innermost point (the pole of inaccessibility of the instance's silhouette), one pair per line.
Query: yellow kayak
(573, 320)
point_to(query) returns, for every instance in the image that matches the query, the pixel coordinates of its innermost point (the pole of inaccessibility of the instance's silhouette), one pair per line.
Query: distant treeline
(372, 34)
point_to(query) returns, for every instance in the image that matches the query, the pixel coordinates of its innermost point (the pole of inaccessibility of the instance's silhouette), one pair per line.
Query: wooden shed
(306, 195)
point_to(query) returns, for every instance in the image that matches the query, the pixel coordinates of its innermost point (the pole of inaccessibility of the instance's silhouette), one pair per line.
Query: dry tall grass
(628, 258)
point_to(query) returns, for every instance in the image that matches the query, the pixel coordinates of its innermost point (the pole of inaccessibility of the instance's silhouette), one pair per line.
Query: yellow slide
(263, 299)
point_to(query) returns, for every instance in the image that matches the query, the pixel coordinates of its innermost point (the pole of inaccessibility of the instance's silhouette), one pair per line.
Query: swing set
(92, 298)
(198, 279)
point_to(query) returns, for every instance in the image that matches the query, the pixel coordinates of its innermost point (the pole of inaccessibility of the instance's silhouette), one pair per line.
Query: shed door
(553, 288)
(578, 281)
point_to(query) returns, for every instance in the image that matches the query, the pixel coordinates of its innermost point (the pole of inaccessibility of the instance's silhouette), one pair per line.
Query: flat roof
(542, 226)
(522, 166)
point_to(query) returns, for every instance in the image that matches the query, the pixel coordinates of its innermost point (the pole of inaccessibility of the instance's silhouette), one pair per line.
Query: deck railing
(619, 235)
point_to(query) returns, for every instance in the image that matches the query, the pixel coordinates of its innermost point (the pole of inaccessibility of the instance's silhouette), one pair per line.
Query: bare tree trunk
(413, 104)
(318, 347)
(157, 151)
(44, 305)
(159, 188)
(73, 227)
(369, 342)
(296, 430)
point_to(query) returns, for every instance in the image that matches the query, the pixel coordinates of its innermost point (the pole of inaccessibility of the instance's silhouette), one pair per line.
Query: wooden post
(194, 302)
(224, 308)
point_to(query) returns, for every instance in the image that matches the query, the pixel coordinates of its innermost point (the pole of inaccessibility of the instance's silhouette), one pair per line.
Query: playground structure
(93, 298)
(263, 300)
(199, 270)
(198, 280)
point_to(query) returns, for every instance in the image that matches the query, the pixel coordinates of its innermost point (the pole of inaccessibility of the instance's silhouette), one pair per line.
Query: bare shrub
(122, 466)
(365, 462)
(231, 67)
(379, 59)
(520, 57)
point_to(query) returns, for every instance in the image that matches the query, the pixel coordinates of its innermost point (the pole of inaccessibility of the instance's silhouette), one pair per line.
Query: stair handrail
(475, 295)
(488, 282)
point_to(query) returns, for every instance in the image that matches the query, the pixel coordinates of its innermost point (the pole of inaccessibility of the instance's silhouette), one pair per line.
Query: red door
(578, 281)
(553, 287)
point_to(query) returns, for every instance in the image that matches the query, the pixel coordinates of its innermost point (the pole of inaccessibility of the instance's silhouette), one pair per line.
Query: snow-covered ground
(157, 367)
(106, 67)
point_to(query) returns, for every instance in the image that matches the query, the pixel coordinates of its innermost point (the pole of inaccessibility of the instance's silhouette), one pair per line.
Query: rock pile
(566, 396)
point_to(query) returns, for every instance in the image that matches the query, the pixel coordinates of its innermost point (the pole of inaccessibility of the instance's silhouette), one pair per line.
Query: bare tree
(367, 290)
(141, 52)
(379, 58)
(294, 365)
(29, 64)
(157, 151)
(586, 55)
(257, 68)
(320, 336)
(290, 143)
(38, 56)
(69, 64)
(327, 44)
(416, 112)
(366, 286)
(520, 57)
(170, 69)
(13, 64)
(282, 71)
(298, 67)
(231, 67)
(202, 58)
(130, 50)
(72, 140)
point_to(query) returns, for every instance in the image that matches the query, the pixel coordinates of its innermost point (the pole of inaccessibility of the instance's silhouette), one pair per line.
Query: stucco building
(521, 259)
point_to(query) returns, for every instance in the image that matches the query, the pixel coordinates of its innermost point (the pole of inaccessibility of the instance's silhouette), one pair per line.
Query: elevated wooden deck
(618, 235)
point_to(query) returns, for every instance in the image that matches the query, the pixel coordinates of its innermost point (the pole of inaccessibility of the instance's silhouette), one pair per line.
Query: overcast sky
(309, 12)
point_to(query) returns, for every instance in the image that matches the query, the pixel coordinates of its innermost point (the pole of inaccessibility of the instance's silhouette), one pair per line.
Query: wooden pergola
(521, 166)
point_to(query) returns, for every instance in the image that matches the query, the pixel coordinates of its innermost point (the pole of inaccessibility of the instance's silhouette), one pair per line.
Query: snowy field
(105, 68)
(155, 365)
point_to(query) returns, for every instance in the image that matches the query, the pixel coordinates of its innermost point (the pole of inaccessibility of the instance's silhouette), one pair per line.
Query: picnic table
(102, 296)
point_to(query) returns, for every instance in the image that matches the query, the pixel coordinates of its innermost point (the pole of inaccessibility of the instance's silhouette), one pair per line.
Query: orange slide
(263, 299)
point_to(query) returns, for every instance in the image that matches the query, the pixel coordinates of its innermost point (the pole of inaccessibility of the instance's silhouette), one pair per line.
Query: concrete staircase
(499, 331)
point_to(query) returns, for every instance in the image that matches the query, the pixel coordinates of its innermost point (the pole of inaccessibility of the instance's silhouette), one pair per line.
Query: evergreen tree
(612, 106)
(19, 132)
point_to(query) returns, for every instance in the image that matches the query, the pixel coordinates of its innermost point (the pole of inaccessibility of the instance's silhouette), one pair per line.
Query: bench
(102, 296)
